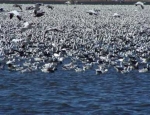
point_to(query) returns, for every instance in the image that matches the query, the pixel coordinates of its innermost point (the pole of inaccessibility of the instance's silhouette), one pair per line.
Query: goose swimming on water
(145, 69)
(101, 70)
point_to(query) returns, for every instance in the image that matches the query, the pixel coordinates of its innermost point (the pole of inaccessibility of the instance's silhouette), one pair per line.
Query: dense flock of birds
(47, 38)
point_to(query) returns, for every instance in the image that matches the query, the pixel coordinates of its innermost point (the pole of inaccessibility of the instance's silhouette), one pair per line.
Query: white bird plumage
(91, 12)
(140, 4)
(26, 24)
(15, 13)
(116, 15)
(67, 2)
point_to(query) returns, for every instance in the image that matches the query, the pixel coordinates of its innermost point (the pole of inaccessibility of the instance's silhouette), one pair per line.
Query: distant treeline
(76, 2)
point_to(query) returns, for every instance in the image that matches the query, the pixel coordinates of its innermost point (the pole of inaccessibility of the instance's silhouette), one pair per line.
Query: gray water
(71, 93)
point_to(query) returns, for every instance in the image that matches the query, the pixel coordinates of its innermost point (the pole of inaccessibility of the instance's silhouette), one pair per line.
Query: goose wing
(19, 18)
(11, 15)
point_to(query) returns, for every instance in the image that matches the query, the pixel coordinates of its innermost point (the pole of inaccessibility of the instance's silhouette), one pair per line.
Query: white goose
(140, 4)
(15, 13)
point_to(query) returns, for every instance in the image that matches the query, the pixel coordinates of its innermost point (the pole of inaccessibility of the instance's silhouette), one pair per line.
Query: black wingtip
(11, 15)
(19, 18)
(142, 6)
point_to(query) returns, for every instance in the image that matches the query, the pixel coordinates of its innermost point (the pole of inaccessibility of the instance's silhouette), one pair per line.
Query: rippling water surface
(78, 93)
(70, 93)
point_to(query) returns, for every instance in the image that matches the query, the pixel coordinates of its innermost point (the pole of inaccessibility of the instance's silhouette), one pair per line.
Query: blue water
(70, 93)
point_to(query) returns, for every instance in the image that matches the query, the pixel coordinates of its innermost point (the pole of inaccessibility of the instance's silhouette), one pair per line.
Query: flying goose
(51, 7)
(68, 2)
(116, 15)
(38, 12)
(1, 9)
(15, 13)
(92, 12)
(26, 26)
(140, 4)
(17, 5)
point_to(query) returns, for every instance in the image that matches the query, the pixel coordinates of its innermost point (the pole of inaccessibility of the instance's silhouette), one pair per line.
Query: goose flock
(78, 38)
